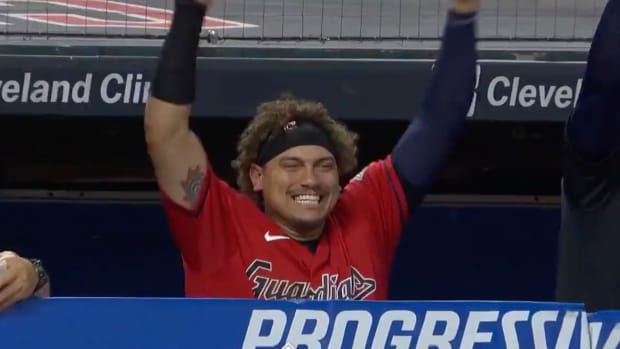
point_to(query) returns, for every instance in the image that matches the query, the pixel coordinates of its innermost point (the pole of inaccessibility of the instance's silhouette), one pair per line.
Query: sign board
(352, 89)
(130, 323)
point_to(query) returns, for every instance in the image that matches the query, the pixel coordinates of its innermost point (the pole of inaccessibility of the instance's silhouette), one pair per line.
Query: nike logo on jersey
(269, 237)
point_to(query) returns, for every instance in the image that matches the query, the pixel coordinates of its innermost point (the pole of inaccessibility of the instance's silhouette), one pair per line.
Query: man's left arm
(21, 278)
(427, 144)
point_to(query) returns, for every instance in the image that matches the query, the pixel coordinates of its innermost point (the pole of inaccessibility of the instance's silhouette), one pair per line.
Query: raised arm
(426, 145)
(178, 157)
(374, 195)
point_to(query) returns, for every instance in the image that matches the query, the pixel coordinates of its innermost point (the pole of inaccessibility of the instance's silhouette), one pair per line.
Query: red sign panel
(133, 15)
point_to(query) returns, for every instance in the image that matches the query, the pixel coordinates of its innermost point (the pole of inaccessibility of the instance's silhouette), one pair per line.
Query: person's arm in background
(593, 130)
(178, 157)
(20, 279)
(428, 142)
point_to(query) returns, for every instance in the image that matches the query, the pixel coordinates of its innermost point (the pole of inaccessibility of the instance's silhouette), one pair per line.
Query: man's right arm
(592, 130)
(178, 157)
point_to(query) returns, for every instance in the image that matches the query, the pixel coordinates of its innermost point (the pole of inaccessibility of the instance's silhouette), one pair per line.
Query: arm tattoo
(192, 183)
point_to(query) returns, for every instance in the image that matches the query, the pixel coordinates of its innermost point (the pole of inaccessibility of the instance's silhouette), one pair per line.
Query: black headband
(293, 134)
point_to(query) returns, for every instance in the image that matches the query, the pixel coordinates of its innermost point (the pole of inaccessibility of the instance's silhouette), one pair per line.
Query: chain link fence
(303, 19)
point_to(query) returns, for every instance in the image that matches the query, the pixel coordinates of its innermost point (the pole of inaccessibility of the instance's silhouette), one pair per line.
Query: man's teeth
(307, 199)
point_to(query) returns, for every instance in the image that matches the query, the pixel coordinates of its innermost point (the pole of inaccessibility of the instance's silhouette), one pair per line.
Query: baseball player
(296, 227)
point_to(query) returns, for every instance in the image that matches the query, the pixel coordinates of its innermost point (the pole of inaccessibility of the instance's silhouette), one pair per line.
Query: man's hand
(18, 279)
(466, 6)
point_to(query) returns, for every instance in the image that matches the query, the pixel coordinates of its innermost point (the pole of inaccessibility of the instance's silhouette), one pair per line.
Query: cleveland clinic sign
(232, 87)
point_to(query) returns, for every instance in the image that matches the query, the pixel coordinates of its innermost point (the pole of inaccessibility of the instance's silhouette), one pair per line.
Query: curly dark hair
(274, 115)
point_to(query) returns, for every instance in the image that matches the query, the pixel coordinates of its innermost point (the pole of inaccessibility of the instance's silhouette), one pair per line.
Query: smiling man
(291, 231)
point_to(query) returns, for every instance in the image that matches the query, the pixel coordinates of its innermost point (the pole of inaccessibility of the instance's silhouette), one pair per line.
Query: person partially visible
(589, 251)
(21, 278)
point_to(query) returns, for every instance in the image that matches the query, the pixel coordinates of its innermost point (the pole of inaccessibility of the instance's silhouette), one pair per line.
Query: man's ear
(256, 176)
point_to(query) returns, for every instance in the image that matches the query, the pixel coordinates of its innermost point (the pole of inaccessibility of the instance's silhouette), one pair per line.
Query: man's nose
(309, 177)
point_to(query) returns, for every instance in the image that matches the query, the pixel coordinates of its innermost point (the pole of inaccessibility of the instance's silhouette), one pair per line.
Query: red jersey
(231, 249)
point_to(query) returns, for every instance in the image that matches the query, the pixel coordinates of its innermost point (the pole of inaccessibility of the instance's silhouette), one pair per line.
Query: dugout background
(491, 158)
(77, 193)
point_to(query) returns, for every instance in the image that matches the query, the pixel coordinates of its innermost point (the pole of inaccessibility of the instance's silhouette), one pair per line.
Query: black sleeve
(427, 144)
